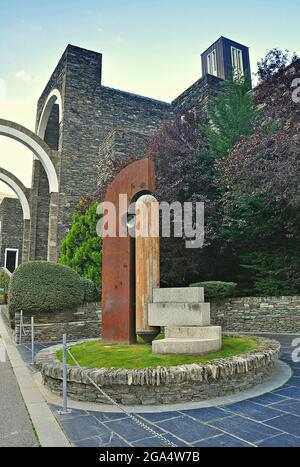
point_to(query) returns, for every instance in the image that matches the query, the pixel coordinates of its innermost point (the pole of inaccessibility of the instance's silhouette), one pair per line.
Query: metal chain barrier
(130, 415)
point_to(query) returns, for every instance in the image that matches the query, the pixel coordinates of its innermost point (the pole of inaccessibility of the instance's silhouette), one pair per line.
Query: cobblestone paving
(272, 419)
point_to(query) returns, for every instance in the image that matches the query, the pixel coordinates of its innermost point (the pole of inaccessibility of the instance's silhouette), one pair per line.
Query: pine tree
(82, 247)
(231, 114)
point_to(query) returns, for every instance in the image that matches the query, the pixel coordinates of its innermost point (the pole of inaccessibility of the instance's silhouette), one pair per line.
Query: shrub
(216, 289)
(82, 248)
(4, 280)
(42, 286)
(91, 293)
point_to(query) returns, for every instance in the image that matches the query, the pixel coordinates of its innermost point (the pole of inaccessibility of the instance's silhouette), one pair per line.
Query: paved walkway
(15, 425)
(19, 389)
(272, 419)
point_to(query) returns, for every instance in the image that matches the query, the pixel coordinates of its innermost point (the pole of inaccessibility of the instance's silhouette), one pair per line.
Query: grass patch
(98, 354)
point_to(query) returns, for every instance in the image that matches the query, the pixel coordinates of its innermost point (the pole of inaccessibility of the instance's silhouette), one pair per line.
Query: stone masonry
(163, 385)
(186, 320)
(11, 227)
(78, 323)
(261, 314)
(248, 314)
(91, 113)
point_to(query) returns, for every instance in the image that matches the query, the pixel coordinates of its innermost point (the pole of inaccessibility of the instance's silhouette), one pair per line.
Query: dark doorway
(11, 259)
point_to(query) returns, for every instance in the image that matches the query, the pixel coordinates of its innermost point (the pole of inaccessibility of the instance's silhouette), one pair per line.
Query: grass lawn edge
(99, 354)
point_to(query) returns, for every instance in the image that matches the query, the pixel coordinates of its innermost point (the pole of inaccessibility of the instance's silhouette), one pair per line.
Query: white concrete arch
(53, 98)
(36, 145)
(19, 192)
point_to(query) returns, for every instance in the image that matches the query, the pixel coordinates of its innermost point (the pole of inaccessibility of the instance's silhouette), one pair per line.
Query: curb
(47, 428)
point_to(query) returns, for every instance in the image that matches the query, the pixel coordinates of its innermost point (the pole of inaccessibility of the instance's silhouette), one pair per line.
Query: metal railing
(22, 332)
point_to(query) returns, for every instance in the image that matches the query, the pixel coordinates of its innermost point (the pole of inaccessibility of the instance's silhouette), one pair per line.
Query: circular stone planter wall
(163, 385)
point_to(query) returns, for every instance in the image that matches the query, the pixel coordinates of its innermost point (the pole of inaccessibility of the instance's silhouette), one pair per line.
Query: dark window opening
(11, 260)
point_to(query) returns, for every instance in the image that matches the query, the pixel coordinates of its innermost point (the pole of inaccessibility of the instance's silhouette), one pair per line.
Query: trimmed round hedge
(4, 280)
(91, 293)
(216, 289)
(43, 286)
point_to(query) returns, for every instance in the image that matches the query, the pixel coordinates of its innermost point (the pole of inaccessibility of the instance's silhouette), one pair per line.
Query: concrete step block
(185, 346)
(191, 332)
(179, 314)
(179, 295)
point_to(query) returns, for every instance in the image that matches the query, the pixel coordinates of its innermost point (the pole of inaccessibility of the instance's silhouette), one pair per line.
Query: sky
(149, 47)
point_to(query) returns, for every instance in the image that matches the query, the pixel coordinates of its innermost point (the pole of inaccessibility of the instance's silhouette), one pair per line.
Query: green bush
(42, 286)
(91, 293)
(4, 280)
(216, 289)
(82, 248)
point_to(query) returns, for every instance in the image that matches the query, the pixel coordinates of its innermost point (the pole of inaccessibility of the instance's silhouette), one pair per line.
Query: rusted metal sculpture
(118, 282)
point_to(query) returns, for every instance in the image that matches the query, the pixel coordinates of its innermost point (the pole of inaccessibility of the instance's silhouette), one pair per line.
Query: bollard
(64, 409)
(21, 327)
(32, 340)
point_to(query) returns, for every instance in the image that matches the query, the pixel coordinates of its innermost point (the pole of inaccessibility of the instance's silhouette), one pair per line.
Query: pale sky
(150, 47)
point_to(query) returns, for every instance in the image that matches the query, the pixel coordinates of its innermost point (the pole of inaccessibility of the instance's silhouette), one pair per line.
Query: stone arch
(23, 194)
(44, 154)
(20, 190)
(53, 98)
(48, 129)
(36, 145)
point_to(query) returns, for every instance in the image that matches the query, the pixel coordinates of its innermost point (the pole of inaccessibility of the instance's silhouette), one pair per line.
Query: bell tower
(225, 58)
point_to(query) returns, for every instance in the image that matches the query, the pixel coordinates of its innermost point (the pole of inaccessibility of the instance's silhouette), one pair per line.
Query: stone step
(197, 332)
(178, 295)
(185, 346)
(179, 314)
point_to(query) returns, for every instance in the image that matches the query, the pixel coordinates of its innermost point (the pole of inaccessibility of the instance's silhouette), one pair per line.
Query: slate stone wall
(198, 94)
(119, 144)
(11, 230)
(91, 112)
(163, 385)
(261, 314)
(83, 322)
(40, 200)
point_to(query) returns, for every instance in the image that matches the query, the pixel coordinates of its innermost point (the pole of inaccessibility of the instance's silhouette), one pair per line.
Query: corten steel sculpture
(118, 283)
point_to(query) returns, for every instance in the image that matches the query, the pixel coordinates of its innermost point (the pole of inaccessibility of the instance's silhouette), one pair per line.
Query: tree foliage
(216, 289)
(275, 61)
(231, 114)
(4, 280)
(185, 152)
(184, 173)
(82, 247)
(261, 223)
(44, 287)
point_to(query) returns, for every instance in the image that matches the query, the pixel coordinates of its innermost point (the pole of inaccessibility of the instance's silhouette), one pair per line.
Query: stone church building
(80, 121)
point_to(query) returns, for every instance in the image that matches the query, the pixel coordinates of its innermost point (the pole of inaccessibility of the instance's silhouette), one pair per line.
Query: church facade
(79, 121)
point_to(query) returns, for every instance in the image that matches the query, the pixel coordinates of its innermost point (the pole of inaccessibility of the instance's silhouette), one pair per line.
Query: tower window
(212, 63)
(237, 61)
